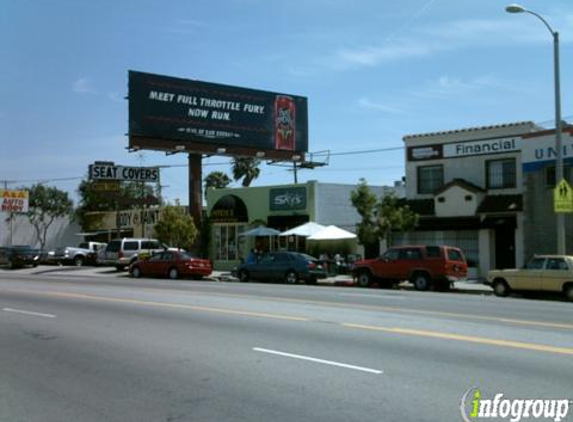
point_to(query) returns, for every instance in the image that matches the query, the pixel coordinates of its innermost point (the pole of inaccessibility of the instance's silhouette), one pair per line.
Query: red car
(171, 264)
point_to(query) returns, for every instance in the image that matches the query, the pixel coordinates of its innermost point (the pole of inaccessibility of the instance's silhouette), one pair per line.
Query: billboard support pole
(195, 188)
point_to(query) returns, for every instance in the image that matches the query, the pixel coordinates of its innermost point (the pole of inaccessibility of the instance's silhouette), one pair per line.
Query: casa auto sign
(109, 171)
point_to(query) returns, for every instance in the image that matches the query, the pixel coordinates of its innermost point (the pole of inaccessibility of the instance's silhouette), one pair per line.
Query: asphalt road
(80, 347)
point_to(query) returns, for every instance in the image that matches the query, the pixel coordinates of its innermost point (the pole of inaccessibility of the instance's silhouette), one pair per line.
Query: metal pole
(561, 241)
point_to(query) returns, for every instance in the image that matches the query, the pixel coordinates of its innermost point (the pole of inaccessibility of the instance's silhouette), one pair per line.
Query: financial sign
(189, 111)
(129, 174)
(287, 199)
(14, 200)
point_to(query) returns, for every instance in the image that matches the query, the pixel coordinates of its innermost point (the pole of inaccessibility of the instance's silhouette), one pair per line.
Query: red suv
(424, 266)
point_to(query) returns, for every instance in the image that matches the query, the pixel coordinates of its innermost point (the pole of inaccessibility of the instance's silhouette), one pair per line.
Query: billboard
(14, 200)
(173, 113)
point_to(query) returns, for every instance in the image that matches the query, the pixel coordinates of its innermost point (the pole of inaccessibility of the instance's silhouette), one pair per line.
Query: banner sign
(14, 200)
(464, 149)
(540, 151)
(128, 174)
(483, 147)
(167, 108)
(287, 199)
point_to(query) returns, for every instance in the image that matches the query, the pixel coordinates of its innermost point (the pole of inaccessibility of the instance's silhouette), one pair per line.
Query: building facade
(232, 211)
(468, 187)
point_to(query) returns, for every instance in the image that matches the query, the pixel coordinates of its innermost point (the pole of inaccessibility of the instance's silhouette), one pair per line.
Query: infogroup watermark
(474, 407)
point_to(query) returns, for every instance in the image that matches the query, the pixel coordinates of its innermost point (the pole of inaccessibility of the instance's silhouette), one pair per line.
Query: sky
(373, 71)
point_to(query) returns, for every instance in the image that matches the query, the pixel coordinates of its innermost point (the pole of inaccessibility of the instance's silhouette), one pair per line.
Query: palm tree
(217, 180)
(246, 169)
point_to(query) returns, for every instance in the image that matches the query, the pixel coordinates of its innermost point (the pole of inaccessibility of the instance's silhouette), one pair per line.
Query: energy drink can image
(285, 117)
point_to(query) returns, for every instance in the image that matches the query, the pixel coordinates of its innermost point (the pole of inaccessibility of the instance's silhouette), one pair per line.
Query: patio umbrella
(261, 231)
(332, 233)
(304, 230)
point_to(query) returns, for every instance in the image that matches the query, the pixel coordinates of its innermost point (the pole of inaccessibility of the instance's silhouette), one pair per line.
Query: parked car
(543, 273)
(171, 264)
(425, 266)
(123, 252)
(84, 253)
(19, 256)
(282, 266)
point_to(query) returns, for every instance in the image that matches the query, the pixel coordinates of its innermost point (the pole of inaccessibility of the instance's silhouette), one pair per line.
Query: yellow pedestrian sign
(563, 197)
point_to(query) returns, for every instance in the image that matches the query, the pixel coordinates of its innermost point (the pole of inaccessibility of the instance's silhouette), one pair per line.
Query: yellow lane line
(379, 308)
(394, 330)
(470, 339)
(168, 305)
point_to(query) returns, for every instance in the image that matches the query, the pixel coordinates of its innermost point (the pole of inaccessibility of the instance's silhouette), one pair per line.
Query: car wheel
(500, 288)
(569, 292)
(291, 277)
(364, 279)
(173, 273)
(197, 277)
(120, 267)
(243, 276)
(78, 261)
(421, 281)
(136, 272)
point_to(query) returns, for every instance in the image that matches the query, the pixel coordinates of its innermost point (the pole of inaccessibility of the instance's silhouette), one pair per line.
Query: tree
(47, 204)
(365, 203)
(175, 227)
(246, 169)
(217, 180)
(380, 218)
(391, 215)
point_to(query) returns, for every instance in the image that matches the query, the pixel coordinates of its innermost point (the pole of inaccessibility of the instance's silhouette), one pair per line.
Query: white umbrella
(332, 233)
(304, 230)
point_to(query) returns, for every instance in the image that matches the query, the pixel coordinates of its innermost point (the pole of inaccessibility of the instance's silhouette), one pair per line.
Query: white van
(122, 252)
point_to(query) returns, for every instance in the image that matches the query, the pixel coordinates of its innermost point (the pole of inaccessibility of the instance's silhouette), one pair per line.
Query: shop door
(504, 247)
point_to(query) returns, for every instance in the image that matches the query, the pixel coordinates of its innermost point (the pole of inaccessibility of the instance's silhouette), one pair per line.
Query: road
(80, 347)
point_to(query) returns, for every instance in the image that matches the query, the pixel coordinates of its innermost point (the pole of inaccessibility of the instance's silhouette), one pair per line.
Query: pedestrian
(253, 256)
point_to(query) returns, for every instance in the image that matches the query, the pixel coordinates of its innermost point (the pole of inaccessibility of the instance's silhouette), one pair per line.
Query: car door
(263, 268)
(528, 278)
(557, 272)
(388, 264)
(156, 264)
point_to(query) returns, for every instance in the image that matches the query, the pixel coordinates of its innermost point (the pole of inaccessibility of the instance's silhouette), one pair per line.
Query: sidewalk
(469, 286)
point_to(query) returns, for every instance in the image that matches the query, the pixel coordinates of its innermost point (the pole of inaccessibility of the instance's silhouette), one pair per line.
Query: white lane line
(326, 362)
(19, 311)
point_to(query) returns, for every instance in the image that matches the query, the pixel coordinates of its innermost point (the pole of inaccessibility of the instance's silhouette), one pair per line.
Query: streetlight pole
(516, 8)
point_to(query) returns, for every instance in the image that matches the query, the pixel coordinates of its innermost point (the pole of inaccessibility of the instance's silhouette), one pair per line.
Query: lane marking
(471, 339)
(366, 307)
(19, 311)
(395, 330)
(315, 360)
(169, 305)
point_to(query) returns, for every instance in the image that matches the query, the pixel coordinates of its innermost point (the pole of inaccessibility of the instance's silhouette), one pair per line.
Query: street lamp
(516, 8)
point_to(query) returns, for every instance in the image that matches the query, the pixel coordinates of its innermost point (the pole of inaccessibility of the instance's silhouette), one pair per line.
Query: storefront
(233, 211)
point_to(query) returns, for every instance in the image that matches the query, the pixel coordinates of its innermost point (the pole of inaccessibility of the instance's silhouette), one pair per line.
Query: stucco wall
(62, 232)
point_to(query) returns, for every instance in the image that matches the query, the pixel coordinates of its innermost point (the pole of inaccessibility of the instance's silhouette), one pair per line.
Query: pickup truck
(424, 266)
(84, 253)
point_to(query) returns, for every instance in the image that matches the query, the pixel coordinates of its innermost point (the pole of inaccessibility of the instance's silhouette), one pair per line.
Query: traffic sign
(563, 197)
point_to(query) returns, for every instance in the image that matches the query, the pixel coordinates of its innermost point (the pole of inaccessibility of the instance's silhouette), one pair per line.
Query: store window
(550, 175)
(430, 178)
(228, 241)
(501, 174)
